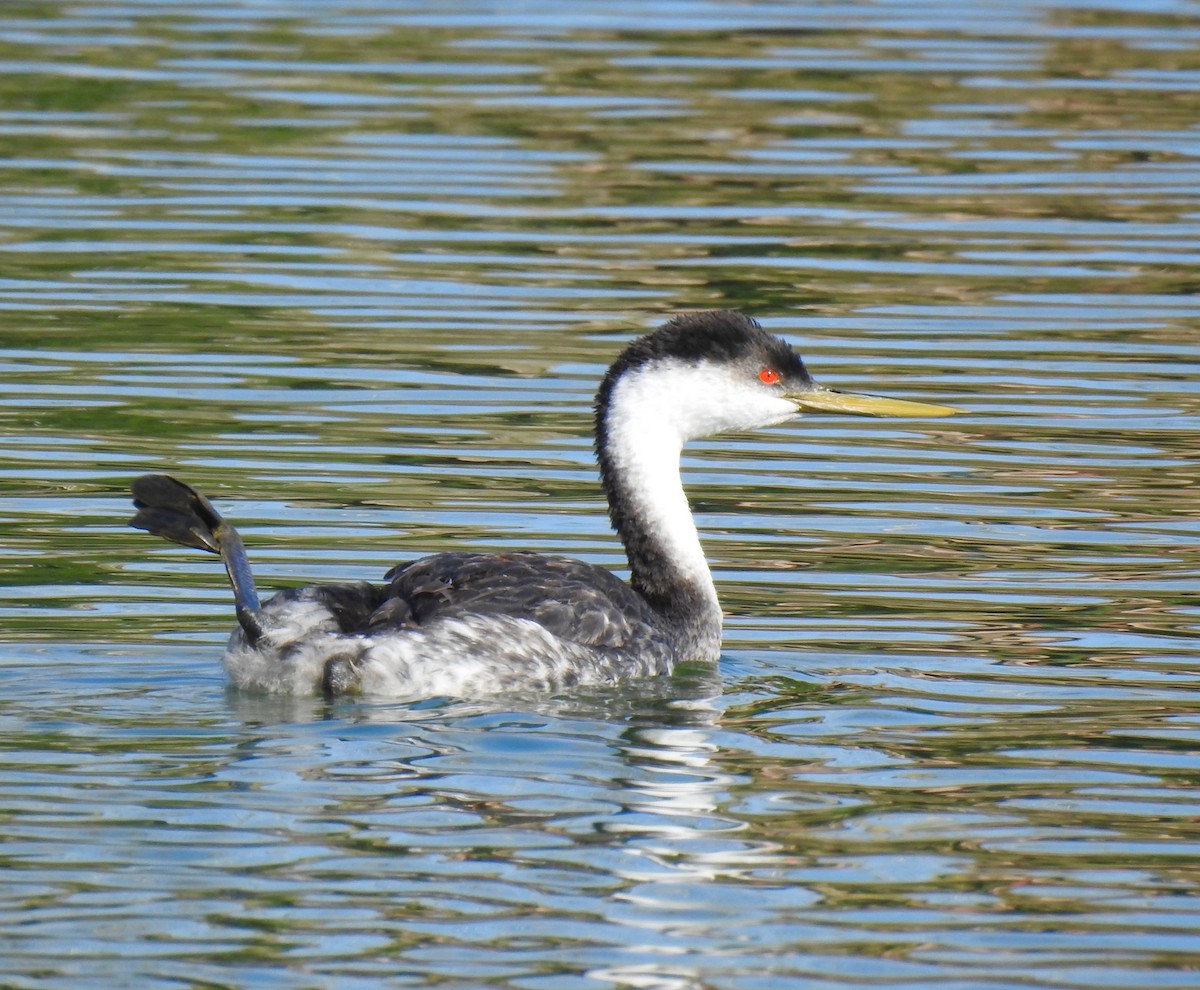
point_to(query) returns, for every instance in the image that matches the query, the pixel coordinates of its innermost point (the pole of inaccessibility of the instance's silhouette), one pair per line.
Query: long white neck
(639, 442)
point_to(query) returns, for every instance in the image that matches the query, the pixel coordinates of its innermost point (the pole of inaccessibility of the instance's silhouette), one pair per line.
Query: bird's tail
(177, 512)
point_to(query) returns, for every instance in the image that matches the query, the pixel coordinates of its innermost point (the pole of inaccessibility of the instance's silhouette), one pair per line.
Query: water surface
(354, 269)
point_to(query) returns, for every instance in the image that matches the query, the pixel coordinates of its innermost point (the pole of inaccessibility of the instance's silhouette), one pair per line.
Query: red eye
(768, 376)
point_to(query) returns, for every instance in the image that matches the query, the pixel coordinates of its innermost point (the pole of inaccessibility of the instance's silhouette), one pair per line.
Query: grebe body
(474, 624)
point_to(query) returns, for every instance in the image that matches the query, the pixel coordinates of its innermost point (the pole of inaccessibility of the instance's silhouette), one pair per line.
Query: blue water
(355, 268)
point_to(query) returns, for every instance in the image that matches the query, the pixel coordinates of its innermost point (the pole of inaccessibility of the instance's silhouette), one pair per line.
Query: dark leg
(177, 512)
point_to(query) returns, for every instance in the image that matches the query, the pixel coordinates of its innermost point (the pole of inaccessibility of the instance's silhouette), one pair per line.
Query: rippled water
(354, 268)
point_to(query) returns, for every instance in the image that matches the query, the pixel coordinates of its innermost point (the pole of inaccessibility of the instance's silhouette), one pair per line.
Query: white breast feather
(462, 657)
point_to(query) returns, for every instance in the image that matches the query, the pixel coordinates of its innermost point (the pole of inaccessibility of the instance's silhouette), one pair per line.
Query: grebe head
(715, 372)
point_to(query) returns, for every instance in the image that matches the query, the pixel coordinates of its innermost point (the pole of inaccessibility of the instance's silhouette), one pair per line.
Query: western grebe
(471, 624)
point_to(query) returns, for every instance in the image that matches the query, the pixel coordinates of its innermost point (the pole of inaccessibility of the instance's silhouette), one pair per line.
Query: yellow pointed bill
(828, 400)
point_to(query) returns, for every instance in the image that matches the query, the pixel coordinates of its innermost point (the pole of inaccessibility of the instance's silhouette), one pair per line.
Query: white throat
(645, 441)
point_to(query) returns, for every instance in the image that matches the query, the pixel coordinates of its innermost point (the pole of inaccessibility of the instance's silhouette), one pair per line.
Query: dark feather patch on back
(576, 601)
(352, 605)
